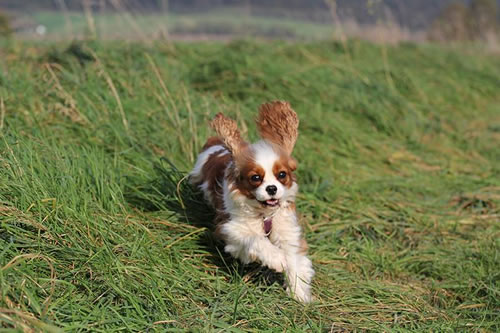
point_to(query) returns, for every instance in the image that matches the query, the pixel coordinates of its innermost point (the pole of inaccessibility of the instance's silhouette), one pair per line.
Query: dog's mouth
(270, 203)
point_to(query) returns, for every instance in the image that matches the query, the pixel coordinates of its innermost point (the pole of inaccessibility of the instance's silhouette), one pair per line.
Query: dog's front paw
(301, 292)
(276, 261)
(299, 279)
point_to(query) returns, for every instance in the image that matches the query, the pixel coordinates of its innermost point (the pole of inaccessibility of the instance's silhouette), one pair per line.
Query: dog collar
(268, 225)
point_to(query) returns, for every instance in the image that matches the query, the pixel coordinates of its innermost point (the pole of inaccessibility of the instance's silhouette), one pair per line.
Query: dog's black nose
(271, 189)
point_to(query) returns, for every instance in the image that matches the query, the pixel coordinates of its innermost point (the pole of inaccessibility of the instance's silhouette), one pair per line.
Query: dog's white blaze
(265, 157)
(226, 195)
(195, 174)
(206, 193)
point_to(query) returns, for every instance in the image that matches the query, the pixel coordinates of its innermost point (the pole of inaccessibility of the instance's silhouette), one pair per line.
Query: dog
(252, 188)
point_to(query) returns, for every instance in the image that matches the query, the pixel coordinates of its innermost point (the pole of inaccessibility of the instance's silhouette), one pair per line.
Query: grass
(398, 166)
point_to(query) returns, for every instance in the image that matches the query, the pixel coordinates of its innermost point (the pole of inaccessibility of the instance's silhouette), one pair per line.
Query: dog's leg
(299, 275)
(287, 235)
(260, 249)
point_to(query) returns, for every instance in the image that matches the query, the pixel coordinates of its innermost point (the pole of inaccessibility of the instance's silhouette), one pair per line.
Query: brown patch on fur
(227, 129)
(278, 124)
(213, 141)
(220, 219)
(244, 168)
(303, 247)
(245, 184)
(212, 173)
(285, 164)
(292, 163)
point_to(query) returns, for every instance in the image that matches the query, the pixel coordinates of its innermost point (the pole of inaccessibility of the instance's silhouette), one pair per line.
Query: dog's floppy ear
(227, 129)
(278, 124)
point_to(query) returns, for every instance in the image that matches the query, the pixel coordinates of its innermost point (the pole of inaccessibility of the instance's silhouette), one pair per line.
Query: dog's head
(262, 173)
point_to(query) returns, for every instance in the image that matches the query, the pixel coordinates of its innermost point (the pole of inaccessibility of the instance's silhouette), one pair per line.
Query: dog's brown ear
(278, 124)
(227, 129)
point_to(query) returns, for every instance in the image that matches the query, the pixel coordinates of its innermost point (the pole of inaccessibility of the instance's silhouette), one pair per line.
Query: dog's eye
(255, 178)
(281, 175)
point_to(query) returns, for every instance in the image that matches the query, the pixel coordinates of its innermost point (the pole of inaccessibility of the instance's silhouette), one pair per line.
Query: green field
(399, 168)
(144, 26)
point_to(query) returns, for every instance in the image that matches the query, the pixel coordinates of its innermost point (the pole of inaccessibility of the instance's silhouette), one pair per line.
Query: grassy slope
(398, 165)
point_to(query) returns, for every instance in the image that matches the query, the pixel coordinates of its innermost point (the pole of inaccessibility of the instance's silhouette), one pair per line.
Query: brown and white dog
(252, 188)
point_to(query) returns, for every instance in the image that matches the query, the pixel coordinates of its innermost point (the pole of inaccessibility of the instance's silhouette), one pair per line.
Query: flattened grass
(398, 166)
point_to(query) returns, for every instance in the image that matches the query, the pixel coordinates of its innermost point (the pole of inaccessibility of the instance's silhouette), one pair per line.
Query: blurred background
(387, 21)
